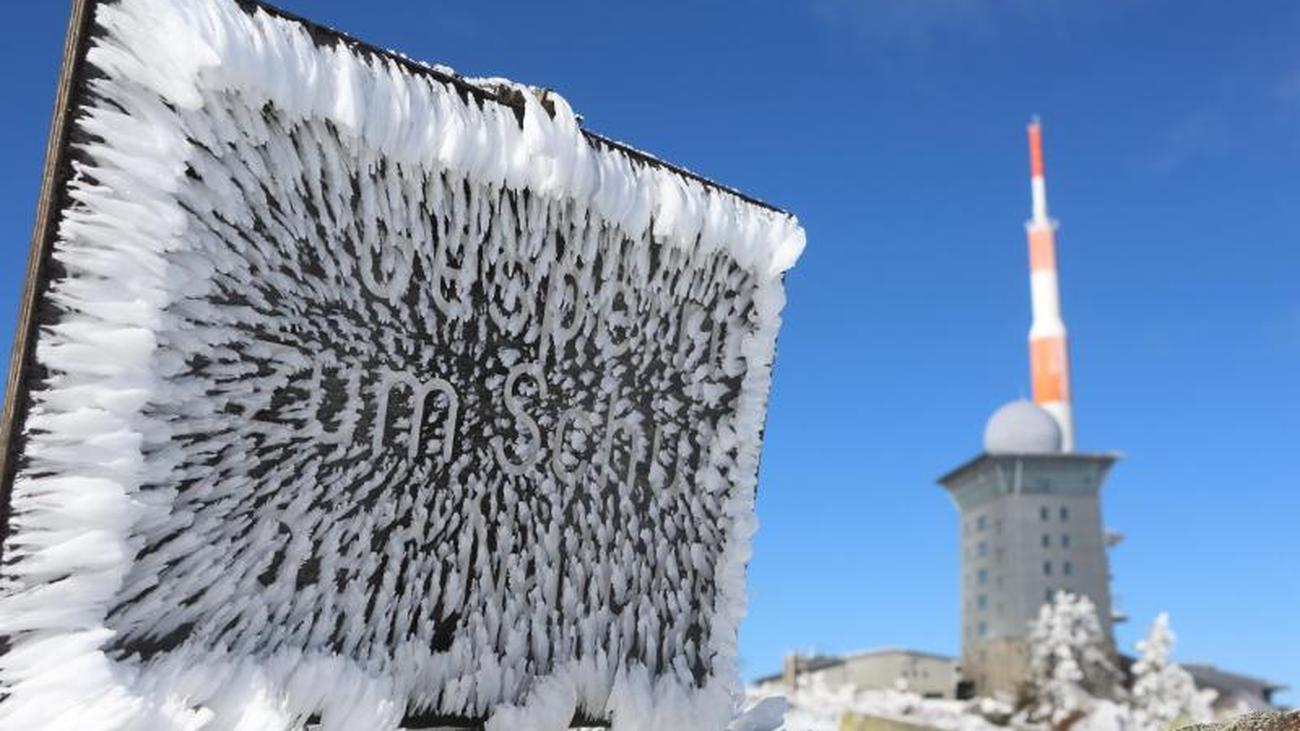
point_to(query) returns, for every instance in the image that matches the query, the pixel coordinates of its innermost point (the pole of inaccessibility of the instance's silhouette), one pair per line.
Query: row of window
(982, 548)
(982, 627)
(1067, 569)
(1065, 540)
(982, 600)
(1044, 513)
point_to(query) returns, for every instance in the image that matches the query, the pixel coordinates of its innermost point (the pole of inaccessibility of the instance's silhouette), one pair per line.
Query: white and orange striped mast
(1049, 360)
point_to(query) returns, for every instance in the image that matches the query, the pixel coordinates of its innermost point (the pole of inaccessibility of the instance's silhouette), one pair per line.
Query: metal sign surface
(387, 397)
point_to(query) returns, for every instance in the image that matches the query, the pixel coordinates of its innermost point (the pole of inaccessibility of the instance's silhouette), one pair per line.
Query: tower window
(1065, 513)
(983, 629)
(980, 523)
(1066, 568)
(1047, 568)
(1042, 512)
(1047, 595)
(983, 601)
(983, 576)
(1065, 540)
(1047, 541)
(983, 548)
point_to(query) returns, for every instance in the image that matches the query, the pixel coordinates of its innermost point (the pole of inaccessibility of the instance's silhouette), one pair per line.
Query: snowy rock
(767, 714)
(1258, 721)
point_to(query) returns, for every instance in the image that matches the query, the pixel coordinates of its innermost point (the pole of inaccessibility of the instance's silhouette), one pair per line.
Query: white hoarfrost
(1070, 665)
(365, 399)
(1163, 692)
(815, 707)
(1072, 686)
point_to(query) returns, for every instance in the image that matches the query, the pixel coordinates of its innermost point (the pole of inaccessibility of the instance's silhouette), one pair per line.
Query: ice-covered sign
(359, 394)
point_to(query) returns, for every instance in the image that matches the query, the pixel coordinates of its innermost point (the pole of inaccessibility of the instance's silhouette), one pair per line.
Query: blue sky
(895, 130)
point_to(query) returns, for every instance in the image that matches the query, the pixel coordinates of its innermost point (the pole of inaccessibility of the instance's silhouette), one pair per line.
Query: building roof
(1209, 676)
(1230, 686)
(807, 665)
(896, 651)
(821, 662)
(1105, 457)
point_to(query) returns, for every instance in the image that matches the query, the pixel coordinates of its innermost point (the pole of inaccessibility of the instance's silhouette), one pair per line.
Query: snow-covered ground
(814, 707)
(817, 708)
(1072, 683)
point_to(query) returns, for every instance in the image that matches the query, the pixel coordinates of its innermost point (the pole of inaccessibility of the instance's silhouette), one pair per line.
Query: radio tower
(1049, 360)
(1030, 505)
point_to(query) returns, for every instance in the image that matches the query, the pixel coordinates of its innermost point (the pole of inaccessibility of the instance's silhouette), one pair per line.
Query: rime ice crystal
(367, 398)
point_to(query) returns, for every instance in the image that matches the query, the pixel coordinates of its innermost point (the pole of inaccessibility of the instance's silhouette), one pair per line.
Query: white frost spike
(213, 528)
(1164, 694)
(1070, 668)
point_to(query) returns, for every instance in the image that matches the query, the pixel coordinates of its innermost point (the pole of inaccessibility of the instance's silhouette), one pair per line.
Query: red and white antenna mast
(1049, 360)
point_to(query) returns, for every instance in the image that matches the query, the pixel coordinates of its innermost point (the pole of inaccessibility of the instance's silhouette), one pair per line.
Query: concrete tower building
(1030, 505)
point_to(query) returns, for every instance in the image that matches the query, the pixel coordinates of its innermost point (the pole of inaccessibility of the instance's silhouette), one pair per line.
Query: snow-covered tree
(1070, 667)
(1163, 692)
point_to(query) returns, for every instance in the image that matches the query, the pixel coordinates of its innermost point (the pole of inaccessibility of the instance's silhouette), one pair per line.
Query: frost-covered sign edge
(155, 307)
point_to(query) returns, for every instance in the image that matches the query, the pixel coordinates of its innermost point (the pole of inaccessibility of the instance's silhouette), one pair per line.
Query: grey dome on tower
(1022, 427)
